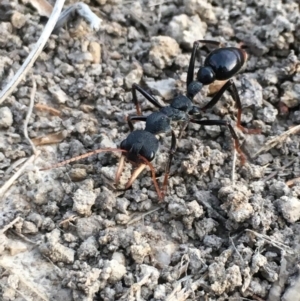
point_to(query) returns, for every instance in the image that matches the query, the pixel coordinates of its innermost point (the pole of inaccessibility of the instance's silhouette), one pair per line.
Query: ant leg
(167, 171)
(231, 87)
(120, 169)
(212, 42)
(232, 132)
(147, 95)
(235, 95)
(135, 118)
(191, 69)
(219, 94)
(135, 174)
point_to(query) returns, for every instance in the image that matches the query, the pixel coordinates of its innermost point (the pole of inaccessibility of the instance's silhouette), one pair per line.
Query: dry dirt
(69, 234)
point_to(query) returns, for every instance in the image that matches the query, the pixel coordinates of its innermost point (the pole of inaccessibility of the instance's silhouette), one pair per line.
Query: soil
(224, 231)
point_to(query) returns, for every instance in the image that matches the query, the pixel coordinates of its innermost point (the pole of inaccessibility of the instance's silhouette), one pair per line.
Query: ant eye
(151, 157)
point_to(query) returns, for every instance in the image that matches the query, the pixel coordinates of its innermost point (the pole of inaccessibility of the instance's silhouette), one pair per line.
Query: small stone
(81, 57)
(119, 257)
(202, 8)
(184, 29)
(117, 270)
(291, 94)
(213, 130)
(6, 117)
(163, 51)
(290, 208)
(233, 277)
(88, 249)
(122, 205)
(55, 250)
(36, 218)
(106, 199)
(251, 94)
(133, 34)
(29, 228)
(89, 226)
(269, 114)
(59, 95)
(83, 201)
(95, 50)
(264, 159)
(164, 88)
(270, 76)
(78, 174)
(160, 292)
(18, 20)
(139, 252)
(134, 76)
(122, 219)
(279, 189)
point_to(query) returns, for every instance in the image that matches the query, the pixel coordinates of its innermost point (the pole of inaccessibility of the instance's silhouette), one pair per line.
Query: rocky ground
(68, 234)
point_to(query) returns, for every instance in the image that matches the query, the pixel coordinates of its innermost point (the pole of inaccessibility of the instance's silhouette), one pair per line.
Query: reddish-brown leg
(120, 169)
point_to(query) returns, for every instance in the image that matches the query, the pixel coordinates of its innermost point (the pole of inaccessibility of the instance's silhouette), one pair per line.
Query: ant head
(140, 143)
(206, 75)
(193, 89)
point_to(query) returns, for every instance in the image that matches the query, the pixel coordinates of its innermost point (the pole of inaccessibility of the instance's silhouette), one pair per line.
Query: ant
(221, 64)
(141, 146)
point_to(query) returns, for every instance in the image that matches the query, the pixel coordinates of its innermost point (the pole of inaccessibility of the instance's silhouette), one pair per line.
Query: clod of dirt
(164, 88)
(201, 8)
(89, 226)
(163, 51)
(95, 50)
(29, 228)
(106, 200)
(134, 76)
(88, 249)
(6, 117)
(18, 20)
(222, 279)
(140, 251)
(58, 94)
(290, 208)
(291, 94)
(236, 202)
(53, 249)
(184, 29)
(251, 94)
(82, 279)
(83, 201)
(114, 270)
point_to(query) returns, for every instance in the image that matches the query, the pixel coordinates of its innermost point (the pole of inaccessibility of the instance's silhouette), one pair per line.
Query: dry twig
(29, 112)
(278, 139)
(9, 88)
(276, 244)
(8, 183)
(43, 107)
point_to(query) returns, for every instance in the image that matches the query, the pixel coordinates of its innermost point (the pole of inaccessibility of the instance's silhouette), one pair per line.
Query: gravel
(75, 234)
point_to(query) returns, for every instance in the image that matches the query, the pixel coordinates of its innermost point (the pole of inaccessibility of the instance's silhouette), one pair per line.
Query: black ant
(141, 146)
